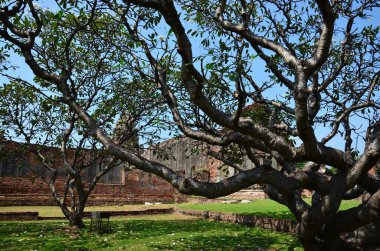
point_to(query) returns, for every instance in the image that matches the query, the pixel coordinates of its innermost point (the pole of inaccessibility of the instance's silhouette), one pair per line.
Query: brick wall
(280, 225)
(138, 187)
(6, 216)
(16, 160)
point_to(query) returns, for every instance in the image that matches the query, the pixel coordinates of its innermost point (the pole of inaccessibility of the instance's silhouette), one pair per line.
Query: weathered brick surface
(249, 194)
(287, 226)
(137, 212)
(202, 200)
(122, 213)
(24, 216)
(138, 188)
(18, 186)
(19, 216)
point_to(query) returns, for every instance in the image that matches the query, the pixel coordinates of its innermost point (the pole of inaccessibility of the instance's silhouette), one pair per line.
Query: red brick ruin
(18, 186)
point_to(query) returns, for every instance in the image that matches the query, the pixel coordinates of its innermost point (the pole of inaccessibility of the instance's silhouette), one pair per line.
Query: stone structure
(18, 216)
(17, 161)
(19, 186)
(281, 225)
(188, 156)
(123, 184)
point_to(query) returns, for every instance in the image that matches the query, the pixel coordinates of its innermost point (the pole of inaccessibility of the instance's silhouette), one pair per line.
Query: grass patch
(347, 204)
(143, 233)
(260, 208)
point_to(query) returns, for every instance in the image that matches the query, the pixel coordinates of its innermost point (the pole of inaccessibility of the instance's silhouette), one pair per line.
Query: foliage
(258, 113)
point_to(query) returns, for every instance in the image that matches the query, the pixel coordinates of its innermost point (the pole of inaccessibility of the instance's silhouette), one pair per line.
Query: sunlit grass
(152, 232)
(159, 232)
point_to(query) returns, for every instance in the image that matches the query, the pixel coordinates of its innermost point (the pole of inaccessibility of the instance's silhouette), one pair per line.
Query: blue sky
(24, 72)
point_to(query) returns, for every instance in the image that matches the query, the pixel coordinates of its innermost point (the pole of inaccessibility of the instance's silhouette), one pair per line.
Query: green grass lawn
(261, 208)
(158, 232)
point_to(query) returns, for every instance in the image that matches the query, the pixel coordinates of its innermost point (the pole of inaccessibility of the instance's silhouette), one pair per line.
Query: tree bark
(76, 219)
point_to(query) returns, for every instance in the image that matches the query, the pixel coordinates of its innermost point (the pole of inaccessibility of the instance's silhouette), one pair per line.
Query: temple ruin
(19, 186)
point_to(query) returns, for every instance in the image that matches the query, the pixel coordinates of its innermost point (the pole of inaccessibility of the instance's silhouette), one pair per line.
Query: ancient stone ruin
(19, 186)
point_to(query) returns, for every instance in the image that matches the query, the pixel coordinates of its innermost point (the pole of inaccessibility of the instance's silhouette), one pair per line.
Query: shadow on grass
(143, 235)
(37, 236)
(207, 235)
(227, 242)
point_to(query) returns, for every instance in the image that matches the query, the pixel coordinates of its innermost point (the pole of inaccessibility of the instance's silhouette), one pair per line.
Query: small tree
(45, 128)
(33, 114)
(317, 62)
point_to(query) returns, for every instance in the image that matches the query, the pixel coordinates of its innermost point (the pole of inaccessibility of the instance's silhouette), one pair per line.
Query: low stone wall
(202, 200)
(137, 212)
(247, 194)
(122, 213)
(18, 216)
(287, 226)
(26, 216)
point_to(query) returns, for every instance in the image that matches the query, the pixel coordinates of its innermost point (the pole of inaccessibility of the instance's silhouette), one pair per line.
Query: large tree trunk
(329, 244)
(76, 219)
(75, 216)
(365, 237)
(309, 245)
(338, 244)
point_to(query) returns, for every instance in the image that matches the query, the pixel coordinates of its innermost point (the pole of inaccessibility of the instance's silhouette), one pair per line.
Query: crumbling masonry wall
(19, 186)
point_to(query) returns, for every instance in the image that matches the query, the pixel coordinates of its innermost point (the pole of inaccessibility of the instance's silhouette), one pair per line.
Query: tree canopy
(191, 67)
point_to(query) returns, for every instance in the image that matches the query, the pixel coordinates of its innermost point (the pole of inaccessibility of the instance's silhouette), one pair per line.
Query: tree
(321, 64)
(36, 116)
(44, 128)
